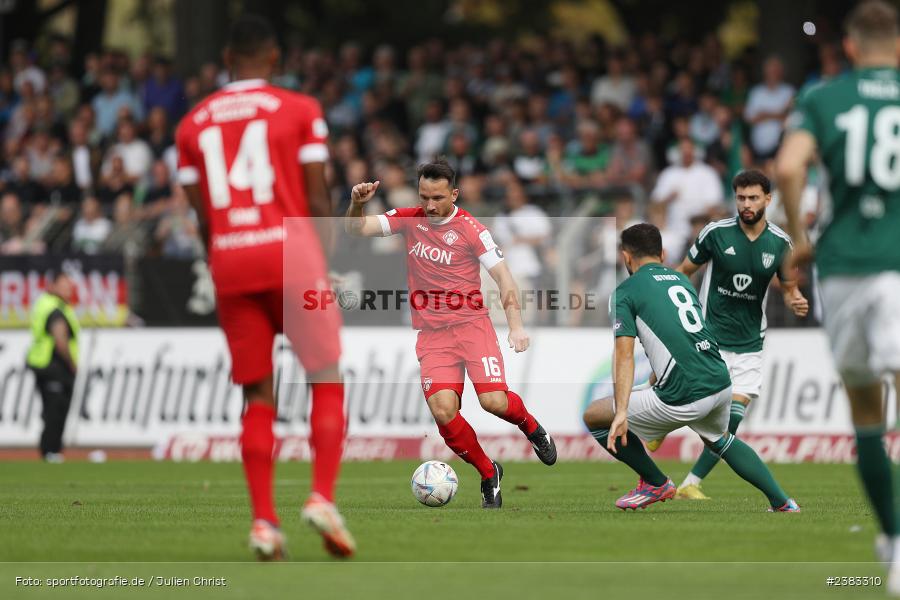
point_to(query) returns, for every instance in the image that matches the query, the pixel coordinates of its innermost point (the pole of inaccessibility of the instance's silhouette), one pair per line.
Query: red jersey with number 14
(443, 262)
(244, 146)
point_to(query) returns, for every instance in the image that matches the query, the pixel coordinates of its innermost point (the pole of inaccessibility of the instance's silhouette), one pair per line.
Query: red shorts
(251, 321)
(447, 354)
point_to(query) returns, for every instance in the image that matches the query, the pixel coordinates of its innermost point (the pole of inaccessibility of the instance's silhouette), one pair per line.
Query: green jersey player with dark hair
(692, 387)
(742, 255)
(852, 125)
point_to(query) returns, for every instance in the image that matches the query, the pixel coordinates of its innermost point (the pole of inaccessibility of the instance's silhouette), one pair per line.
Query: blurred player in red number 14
(250, 156)
(446, 248)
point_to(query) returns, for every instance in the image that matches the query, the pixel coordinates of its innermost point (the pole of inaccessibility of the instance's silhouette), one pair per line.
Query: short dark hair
(642, 240)
(438, 169)
(874, 21)
(749, 178)
(250, 35)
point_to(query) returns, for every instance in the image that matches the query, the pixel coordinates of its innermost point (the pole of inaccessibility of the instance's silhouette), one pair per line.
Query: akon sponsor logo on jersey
(431, 253)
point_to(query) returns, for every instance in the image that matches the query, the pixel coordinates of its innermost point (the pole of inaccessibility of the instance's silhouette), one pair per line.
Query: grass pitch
(558, 535)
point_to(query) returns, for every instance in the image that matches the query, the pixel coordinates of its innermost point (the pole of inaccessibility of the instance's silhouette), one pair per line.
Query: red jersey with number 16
(244, 146)
(443, 262)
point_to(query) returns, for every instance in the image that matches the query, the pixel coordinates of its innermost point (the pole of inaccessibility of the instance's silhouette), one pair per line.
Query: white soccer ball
(434, 483)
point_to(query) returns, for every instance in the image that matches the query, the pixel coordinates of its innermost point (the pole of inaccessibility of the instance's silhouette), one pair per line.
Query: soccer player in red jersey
(446, 248)
(251, 155)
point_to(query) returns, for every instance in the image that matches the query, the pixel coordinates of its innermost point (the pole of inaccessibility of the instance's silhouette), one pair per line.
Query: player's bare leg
(461, 438)
(327, 429)
(690, 487)
(257, 444)
(509, 406)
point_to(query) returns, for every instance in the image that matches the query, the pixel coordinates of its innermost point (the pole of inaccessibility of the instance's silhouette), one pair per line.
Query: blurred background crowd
(541, 132)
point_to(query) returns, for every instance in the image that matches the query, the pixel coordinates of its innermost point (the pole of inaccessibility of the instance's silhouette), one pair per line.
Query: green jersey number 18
(884, 159)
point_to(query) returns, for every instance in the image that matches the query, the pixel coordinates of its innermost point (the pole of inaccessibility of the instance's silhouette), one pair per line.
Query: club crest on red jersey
(426, 384)
(450, 237)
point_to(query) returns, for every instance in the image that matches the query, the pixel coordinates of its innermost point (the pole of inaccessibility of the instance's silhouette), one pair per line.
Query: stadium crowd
(650, 130)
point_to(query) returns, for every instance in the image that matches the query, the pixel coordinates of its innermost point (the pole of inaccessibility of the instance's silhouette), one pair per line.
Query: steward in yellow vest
(53, 356)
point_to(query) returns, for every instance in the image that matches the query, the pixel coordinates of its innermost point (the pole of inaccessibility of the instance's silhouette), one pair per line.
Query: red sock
(461, 438)
(518, 415)
(257, 443)
(327, 428)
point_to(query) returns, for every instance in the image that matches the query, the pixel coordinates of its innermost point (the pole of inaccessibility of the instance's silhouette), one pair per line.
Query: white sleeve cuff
(385, 225)
(491, 258)
(311, 153)
(188, 175)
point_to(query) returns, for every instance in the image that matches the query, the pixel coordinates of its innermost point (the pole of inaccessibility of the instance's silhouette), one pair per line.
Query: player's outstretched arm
(509, 296)
(355, 221)
(623, 372)
(797, 151)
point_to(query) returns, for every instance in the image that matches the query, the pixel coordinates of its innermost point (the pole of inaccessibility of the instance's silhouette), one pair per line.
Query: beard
(753, 220)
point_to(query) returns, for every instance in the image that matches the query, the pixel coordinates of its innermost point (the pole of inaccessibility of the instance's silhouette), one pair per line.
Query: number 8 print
(682, 300)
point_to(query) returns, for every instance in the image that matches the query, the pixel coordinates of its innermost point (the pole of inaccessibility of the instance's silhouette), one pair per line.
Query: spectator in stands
(24, 70)
(586, 158)
(22, 117)
(522, 230)
(529, 164)
(46, 117)
(128, 231)
(702, 125)
(21, 183)
(135, 153)
(631, 162)
(471, 196)
(537, 118)
(461, 156)
(158, 189)
(91, 229)
(85, 159)
(432, 133)
(111, 100)
(164, 90)
(616, 86)
(114, 182)
(418, 86)
(159, 134)
(12, 223)
(61, 188)
(396, 188)
(685, 190)
(767, 107)
(177, 232)
(728, 154)
(41, 150)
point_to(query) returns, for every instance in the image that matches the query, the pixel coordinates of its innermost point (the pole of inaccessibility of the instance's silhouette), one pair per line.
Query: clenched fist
(363, 192)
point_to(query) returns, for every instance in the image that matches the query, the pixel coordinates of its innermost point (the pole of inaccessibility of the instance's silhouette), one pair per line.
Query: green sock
(875, 472)
(709, 459)
(747, 464)
(634, 456)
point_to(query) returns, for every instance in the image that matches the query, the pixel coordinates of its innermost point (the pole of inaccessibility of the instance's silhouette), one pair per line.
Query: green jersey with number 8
(659, 306)
(855, 120)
